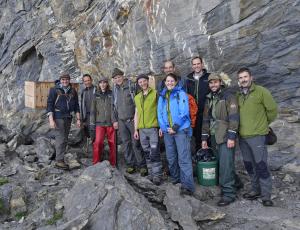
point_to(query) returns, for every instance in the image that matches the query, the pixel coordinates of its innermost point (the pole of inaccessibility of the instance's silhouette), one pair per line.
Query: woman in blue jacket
(175, 124)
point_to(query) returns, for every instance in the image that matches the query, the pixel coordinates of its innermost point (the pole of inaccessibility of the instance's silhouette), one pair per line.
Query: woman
(101, 120)
(175, 124)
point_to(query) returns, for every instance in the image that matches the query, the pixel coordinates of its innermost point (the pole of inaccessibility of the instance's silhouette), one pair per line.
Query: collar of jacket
(99, 93)
(191, 75)
(124, 85)
(174, 90)
(92, 87)
(252, 88)
(59, 87)
(149, 91)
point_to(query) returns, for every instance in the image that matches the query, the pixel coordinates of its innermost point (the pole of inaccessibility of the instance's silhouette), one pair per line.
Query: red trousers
(99, 144)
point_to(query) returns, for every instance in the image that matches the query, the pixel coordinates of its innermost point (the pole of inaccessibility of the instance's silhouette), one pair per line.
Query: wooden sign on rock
(36, 93)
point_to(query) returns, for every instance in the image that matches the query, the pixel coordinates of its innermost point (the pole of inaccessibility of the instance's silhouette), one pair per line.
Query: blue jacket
(179, 108)
(62, 104)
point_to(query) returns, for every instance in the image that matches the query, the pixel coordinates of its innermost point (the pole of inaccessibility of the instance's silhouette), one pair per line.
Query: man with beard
(196, 84)
(220, 123)
(257, 110)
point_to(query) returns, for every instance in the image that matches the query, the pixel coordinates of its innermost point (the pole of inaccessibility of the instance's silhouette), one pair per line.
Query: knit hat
(65, 76)
(142, 76)
(105, 79)
(116, 72)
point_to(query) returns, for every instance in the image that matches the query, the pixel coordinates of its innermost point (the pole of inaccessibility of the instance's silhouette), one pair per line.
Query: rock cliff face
(41, 39)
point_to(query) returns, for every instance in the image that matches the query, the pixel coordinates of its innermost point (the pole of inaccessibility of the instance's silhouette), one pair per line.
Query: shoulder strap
(132, 89)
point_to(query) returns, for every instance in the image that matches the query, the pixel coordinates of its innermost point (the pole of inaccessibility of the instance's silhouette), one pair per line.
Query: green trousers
(227, 175)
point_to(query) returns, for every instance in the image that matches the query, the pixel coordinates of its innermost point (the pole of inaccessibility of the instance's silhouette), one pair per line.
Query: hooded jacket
(174, 108)
(226, 115)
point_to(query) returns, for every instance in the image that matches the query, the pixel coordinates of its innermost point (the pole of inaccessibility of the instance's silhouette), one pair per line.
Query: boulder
(44, 150)
(187, 210)
(102, 198)
(18, 202)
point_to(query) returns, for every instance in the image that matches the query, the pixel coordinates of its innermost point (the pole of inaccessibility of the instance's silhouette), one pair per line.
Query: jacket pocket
(221, 131)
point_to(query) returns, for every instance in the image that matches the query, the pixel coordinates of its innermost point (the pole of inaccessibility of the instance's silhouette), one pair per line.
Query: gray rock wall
(41, 39)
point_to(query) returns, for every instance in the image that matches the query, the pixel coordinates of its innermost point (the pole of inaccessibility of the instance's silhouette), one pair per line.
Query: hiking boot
(267, 203)
(251, 195)
(225, 201)
(143, 172)
(61, 165)
(156, 181)
(130, 170)
(185, 191)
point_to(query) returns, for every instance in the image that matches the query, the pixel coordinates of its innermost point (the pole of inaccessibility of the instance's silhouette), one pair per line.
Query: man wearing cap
(62, 103)
(101, 122)
(220, 123)
(123, 100)
(146, 127)
(196, 84)
(257, 110)
(86, 96)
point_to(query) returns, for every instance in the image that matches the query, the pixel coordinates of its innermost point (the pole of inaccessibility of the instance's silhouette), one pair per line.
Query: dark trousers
(134, 156)
(227, 175)
(101, 132)
(197, 132)
(61, 137)
(255, 156)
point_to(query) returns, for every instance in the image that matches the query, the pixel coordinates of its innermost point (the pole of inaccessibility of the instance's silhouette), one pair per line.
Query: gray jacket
(123, 97)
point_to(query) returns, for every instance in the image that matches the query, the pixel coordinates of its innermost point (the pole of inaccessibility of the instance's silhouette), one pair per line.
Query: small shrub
(19, 215)
(57, 216)
(3, 180)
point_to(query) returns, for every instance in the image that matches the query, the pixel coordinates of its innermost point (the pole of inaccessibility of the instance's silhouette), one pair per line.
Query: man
(257, 110)
(123, 100)
(146, 127)
(87, 96)
(220, 123)
(62, 103)
(169, 67)
(196, 84)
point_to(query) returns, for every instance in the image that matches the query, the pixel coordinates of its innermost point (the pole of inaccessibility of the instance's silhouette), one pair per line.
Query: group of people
(223, 116)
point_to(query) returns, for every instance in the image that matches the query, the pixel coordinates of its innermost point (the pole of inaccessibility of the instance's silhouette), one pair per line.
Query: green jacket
(147, 109)
(257, 110)
(224, 113)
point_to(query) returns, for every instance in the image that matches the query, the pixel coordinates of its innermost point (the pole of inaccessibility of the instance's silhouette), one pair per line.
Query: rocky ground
(35, 195)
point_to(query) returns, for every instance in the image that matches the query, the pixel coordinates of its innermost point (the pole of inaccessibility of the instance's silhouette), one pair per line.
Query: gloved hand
(92, 132)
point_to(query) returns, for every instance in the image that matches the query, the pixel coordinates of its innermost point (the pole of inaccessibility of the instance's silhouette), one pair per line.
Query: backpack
(193, 107)
(69, 96)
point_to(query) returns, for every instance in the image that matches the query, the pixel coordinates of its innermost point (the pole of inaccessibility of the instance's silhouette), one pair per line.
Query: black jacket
(62, 104)
(200, 92)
